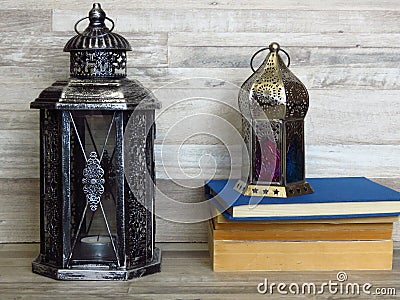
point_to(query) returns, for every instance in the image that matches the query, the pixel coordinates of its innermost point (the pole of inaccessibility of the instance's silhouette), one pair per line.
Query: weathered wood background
(193, 54)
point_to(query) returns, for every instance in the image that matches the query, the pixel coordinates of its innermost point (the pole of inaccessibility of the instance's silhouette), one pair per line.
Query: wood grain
(348, 160)
(19, 153)
(254, 20)
(186, 274)
(19, 120)
(118, 5)
(313, 77)
(221, 57)
(332, 40)
(28, 21)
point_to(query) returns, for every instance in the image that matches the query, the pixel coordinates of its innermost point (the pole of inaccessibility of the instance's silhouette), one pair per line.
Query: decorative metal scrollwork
(98, 63)
(93, 181)
(52, 194)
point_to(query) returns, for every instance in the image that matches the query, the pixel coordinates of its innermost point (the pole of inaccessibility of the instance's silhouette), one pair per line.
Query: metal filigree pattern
(150, 242)
(93, 181)
(273, 92)
(246, 151)
(137, 216)
(296, 94)
(52, 193)
(246, 131)
(244, 99)
(268, 88)
(98, 63)
(136, 231)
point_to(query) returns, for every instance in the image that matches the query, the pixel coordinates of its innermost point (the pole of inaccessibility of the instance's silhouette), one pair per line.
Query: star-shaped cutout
(276, 192)
(265, 191)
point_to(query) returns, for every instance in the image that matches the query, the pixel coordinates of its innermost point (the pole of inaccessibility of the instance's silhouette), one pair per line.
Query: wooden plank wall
(194, 54)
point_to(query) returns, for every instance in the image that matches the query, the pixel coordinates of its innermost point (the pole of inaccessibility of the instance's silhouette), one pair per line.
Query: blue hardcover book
(348, 197)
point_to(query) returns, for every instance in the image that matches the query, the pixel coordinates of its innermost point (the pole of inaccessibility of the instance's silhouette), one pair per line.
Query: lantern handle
(100, 35)
(266, 48)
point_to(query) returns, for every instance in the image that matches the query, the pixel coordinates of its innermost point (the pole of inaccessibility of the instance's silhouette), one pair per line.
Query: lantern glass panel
(295, 151)
(267, 160)
(93, 189)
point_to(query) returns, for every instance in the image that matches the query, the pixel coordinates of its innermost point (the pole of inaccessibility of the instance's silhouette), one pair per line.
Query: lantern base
(290, 190)
(97, 274)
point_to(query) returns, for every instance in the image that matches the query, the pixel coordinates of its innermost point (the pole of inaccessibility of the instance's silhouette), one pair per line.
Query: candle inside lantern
(95, 247)
(98, 240)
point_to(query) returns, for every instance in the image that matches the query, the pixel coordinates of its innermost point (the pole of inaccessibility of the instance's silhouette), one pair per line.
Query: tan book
(390, 219)
(302, 232)
(244, 255)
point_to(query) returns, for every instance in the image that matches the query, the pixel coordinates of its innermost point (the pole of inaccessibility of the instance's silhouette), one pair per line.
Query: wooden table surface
(186, 274)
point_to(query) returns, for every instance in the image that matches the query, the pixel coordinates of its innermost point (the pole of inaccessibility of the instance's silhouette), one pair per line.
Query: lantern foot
(264, 190)
(96, 273)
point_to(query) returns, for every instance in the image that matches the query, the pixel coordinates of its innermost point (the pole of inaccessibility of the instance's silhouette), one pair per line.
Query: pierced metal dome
(97, 52)
(98, 72)
(273, 90)
(97, 35)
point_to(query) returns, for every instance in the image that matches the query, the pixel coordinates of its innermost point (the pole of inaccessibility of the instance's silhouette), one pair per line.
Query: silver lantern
(97, 164)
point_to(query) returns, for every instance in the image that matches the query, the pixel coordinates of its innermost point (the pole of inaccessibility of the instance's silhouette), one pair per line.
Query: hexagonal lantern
(97, 164)
(273, 103)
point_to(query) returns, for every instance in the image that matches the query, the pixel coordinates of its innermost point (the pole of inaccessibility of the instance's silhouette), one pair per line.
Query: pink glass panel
(267, 161)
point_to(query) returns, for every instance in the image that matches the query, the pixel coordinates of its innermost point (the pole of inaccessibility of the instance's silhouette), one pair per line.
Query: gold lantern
(273, 103)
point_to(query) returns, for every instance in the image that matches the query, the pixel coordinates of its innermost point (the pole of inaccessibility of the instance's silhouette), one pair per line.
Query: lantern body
(97, 165)
(273, 103)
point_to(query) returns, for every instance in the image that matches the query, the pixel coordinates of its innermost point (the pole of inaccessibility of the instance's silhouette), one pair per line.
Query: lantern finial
(274, 47)
(97, 16)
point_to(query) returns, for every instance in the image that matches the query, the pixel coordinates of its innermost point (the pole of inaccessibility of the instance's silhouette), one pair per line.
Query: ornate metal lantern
(97, 218)
(273, 103)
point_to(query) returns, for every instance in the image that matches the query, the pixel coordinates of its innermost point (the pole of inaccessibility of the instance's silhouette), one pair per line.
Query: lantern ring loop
(263, 49)
(100, 35)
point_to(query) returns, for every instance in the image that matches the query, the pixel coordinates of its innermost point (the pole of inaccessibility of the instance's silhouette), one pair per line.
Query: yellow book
(302, 232)
(265, 255)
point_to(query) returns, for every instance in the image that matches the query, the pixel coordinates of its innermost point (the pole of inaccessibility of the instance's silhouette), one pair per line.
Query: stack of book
(345, 225)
